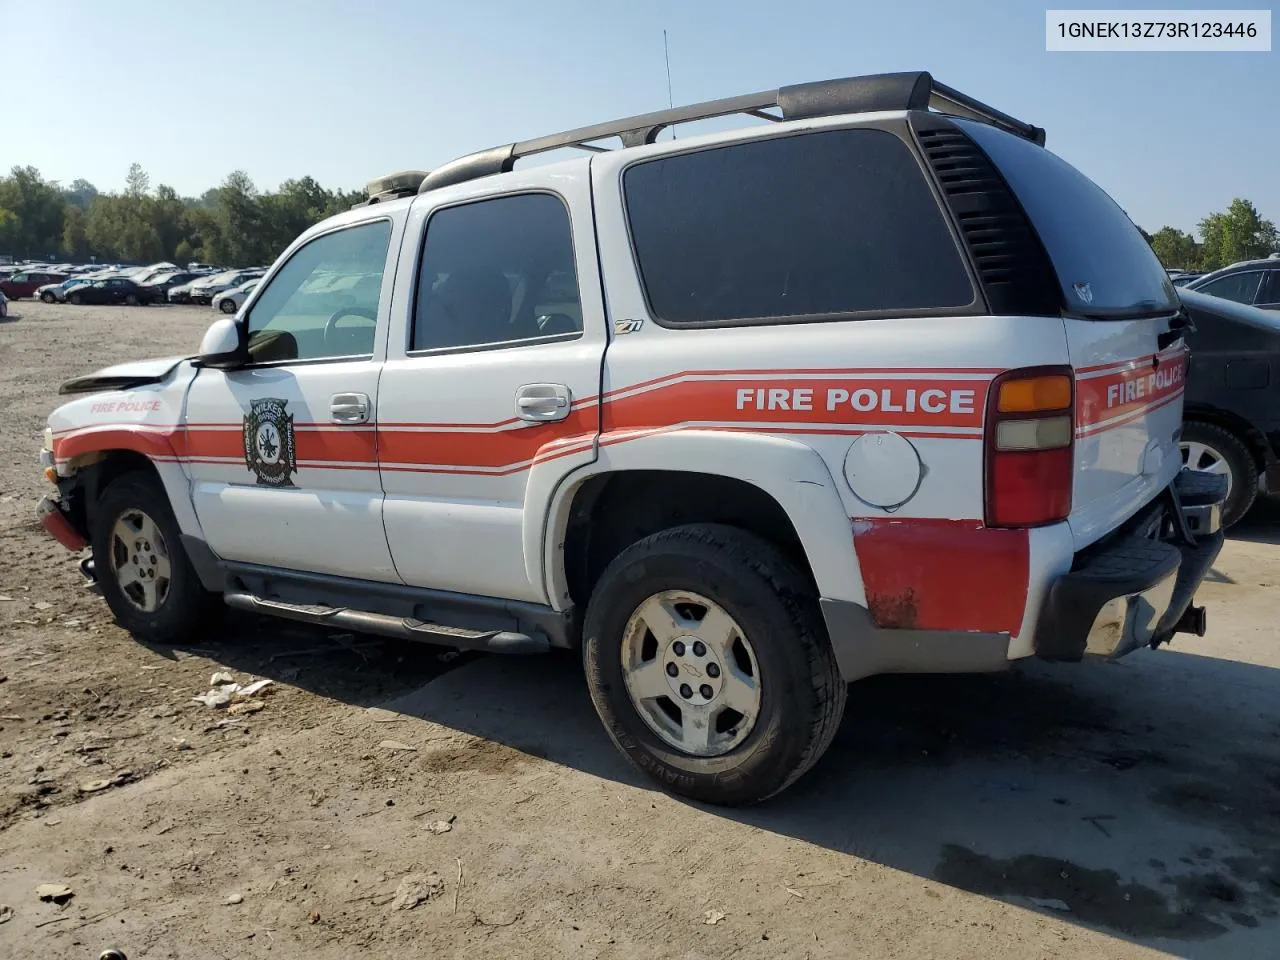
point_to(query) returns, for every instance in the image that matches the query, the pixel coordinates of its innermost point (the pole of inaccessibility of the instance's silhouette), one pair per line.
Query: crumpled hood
(124, 375)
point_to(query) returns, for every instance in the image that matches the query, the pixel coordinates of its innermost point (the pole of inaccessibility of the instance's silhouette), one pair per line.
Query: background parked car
(160, 286)
(180, 293)
(1182, 279)
(229, 301)
(112, 290)
(26, 282)
(57, 292)
(203, 291)
(1231, 414)
(1255, 282)
(4, 306)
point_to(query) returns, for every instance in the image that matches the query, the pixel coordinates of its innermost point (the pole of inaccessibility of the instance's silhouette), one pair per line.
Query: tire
(801, 695)
(227, 306)
(130, 300)
(47, 297)
(75, 298)
(1213, 446)
(182, 607)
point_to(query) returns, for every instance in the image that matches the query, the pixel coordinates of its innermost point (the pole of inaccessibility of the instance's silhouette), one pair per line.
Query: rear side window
(816, 226)
(497, 271)
(1240, 287)
(1270, 292)
(1104, 265)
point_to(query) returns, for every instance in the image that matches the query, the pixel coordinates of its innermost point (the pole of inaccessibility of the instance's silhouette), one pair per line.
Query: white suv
(747, 416)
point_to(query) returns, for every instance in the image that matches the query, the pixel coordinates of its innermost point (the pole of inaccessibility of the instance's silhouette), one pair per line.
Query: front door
(282, 452)
(489, 398)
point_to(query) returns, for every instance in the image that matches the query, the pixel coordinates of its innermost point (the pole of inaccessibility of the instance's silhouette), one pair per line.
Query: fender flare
(796, 477)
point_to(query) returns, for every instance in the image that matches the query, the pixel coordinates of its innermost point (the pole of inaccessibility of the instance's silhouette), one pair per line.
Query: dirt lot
(1100, 810)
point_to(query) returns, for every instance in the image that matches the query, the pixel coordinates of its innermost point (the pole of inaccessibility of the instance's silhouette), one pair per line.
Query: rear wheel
(709, 665)
(144, 572)
(131, 299)
(1209, 448)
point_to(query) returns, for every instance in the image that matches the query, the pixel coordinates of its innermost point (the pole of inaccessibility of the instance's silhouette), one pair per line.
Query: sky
(348, 90)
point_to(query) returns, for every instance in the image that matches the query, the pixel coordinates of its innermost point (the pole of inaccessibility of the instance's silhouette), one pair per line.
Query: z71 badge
(269, 449)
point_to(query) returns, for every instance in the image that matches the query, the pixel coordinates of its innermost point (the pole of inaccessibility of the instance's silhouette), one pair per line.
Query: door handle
(349, 408)
(542, 402)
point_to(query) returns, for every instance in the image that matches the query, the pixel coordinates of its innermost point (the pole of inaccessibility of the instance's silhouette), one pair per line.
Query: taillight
(1029, 447)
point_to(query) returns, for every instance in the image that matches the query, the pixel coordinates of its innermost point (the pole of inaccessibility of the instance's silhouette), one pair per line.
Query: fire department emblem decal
(269, 450)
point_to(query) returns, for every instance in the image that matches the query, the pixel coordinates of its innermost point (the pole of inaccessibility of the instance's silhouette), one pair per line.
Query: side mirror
(223, 346)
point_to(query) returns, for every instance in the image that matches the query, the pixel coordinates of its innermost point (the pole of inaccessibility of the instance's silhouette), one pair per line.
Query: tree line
(1237, 234)
(234, 224)
(238, 225)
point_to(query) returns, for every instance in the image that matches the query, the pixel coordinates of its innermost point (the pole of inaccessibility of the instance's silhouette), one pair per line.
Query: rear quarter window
(837, 224)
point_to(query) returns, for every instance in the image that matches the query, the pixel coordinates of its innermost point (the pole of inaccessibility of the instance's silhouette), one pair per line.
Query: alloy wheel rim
(140, 560)
(691, 673)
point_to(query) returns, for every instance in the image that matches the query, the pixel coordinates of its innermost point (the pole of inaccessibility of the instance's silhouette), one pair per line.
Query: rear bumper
(58, 526)
(1136, 591)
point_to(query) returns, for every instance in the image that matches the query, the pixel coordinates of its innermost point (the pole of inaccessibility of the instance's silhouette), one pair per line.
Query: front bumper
(1136, 590)
(57, 525)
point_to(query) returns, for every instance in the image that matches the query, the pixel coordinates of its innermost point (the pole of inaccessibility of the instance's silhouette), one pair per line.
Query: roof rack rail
(885, 91)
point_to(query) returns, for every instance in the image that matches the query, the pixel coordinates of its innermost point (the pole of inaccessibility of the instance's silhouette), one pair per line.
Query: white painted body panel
(456, 497)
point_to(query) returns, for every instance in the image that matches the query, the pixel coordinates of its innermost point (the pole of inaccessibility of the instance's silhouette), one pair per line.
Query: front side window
(817, 226)
(497, 271)
(1240, 287)
(324, 301)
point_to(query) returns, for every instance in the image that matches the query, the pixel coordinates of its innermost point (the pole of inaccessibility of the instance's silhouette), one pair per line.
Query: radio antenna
(666, 54)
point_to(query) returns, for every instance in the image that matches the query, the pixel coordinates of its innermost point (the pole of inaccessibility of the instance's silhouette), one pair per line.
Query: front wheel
(76, 299)
(47, 297)
(227, 306)
(144, 572)
(1208, 448)
(709, 664)
(131, 300)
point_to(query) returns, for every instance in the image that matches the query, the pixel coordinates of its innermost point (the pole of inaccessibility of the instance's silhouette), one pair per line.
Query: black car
(159, 289)
(113, 290)
(1252, 281)
(1231, 416)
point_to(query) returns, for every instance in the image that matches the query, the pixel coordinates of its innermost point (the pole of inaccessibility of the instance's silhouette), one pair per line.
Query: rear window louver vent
(1012, 266)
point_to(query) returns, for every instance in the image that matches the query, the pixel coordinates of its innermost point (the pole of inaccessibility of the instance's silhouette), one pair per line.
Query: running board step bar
(492, 641)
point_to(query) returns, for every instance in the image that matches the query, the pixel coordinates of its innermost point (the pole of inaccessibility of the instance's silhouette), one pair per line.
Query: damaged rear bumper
(1135, 590)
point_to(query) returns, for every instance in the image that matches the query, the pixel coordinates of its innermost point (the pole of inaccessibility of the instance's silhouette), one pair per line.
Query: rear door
(1130, 369)
(489, 397)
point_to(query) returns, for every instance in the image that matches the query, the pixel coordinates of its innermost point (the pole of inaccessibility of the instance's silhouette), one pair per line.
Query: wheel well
(90, 480)
(613, 511)
(1253, 439)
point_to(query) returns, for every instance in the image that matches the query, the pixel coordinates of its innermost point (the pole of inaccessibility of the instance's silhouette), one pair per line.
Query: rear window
(810, 227)
(1104, 266)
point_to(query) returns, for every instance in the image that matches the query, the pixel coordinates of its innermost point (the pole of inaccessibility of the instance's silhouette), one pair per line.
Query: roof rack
(392, 187)
(885, 91)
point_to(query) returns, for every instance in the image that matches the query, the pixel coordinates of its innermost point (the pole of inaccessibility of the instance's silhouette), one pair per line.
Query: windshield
(1104, 266)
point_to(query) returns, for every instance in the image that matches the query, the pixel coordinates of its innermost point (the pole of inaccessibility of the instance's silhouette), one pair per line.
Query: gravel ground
(392, 800)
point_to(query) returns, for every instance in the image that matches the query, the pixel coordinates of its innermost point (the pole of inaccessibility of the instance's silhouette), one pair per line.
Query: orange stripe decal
(1117, 395)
